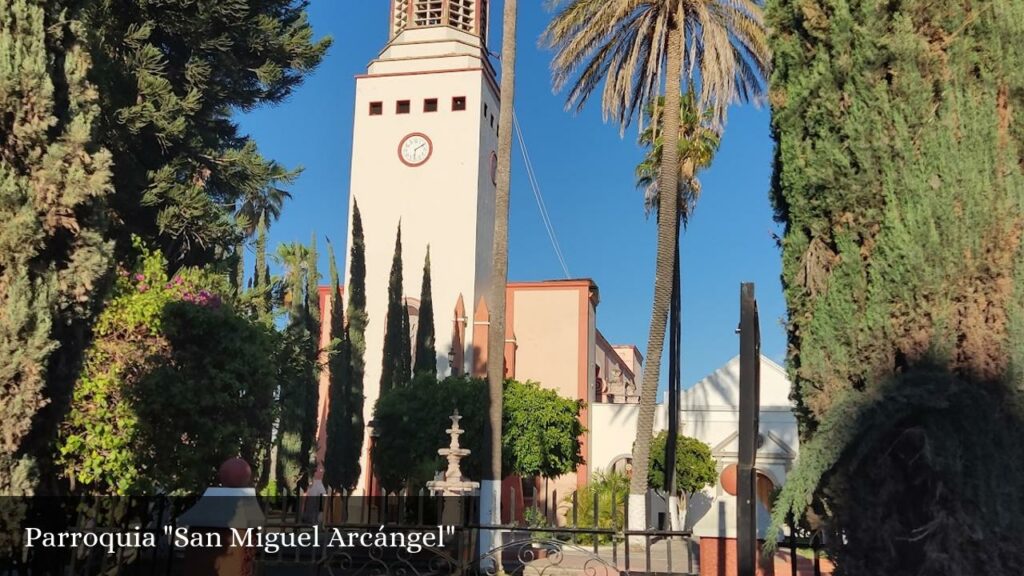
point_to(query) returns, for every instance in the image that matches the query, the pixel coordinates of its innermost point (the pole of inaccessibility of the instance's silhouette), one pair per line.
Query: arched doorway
(765, 489)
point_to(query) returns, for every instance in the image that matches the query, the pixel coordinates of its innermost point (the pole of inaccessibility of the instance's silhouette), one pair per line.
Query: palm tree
(294, 257)
(631, 46)
(259, 206)
(496, 330)
(265, 202)
(697, 143)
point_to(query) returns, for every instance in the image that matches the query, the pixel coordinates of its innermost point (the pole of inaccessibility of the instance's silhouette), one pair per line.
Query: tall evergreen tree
(337, 466)
(426, 354)
(313, 286)
(392, 375)
(899, 175)
(54, 181)
(356, 334)
(312, 320)
(170, 76)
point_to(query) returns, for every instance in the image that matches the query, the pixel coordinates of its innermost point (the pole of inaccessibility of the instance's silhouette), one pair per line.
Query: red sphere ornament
(728, 479)
(235, 473)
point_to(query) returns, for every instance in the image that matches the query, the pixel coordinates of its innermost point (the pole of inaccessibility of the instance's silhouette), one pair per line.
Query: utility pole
(750, 401)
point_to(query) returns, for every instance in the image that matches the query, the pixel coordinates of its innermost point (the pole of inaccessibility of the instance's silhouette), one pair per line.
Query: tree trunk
(675, 360)
(668, 222)
(490, 509)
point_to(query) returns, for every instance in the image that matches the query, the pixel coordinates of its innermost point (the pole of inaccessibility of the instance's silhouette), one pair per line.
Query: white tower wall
(447, 202)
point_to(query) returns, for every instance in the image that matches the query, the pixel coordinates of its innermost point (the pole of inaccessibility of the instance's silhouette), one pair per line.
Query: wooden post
(750, 383)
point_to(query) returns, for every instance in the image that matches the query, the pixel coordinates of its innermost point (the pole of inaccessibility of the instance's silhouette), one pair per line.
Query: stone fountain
(451, 482)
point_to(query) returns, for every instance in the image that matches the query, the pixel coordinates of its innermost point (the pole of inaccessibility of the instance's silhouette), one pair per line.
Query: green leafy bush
(540, 431)
(695, 468)
(175, 383)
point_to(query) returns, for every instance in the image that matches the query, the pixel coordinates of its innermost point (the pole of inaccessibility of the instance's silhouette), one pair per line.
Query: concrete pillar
(231, 505)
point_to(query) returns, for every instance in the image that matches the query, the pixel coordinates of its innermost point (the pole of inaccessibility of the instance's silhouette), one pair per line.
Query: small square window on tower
(376, 108)
(459, 103)
(402, 107)
(430, 105)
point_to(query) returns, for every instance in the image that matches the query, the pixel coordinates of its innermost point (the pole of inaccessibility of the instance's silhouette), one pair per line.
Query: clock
(415, 149)
(494, 168)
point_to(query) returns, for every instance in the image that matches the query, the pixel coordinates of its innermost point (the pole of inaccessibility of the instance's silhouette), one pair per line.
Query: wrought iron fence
(566, 537)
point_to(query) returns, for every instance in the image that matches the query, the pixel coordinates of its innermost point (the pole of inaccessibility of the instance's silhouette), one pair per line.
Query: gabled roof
(720, 389)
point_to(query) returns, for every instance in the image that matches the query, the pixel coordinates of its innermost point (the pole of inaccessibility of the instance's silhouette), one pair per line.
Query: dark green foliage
(170, 75)
(54, 182)
(313, 287)
(344, 439)
(312, 321)
(355, 334)
(695, 468)
(356, 312)
(899, 178)
(395, 371)
(540, 438)
(125, 433)
(921, 475)
(426, 354)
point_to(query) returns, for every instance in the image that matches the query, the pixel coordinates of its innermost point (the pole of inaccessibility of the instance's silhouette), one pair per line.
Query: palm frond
(623, 43)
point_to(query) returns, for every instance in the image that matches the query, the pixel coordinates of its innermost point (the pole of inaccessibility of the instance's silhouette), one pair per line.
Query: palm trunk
(675, 335)
(490, 509)
(668, 222)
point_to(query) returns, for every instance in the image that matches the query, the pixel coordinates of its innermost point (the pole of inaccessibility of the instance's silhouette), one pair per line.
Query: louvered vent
(428, 12)
(400, 18)
(461, 16)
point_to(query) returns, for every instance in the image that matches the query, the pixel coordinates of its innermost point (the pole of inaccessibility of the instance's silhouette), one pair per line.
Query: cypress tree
(426, 355)
(54, 182)
(313, 286)
(391, 375)
(311, 316)
(337, 464)
(356, 340)
(900, 180)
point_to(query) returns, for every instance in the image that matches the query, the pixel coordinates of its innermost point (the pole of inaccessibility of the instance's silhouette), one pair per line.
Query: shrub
(175, 383)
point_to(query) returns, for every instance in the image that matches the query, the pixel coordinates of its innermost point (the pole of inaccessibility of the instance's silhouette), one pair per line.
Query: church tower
(424, 155)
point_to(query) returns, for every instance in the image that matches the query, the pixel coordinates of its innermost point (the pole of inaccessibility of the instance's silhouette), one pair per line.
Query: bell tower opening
(469, 16)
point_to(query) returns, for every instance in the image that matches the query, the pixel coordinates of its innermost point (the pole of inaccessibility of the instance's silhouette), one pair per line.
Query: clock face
(415, 149)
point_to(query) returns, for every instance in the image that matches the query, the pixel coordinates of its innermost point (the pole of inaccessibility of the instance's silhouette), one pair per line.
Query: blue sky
(585, 171)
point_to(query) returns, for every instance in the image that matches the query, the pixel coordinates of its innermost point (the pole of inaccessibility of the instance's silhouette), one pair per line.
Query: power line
(541, 206)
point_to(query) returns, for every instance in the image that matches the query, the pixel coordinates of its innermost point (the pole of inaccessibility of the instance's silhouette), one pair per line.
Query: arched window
(622, 465)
